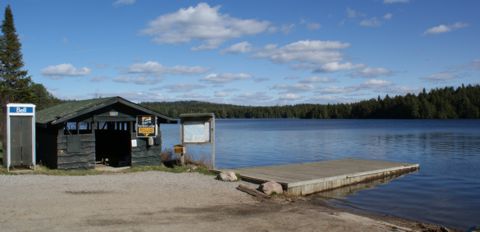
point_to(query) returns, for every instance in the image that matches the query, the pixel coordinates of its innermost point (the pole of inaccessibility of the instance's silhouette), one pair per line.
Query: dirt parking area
(161, 201)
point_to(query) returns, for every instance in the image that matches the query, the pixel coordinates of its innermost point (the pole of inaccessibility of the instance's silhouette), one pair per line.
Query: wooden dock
(308, 178)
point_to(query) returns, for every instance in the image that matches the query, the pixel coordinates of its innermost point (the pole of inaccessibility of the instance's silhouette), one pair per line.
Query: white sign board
(196, 132)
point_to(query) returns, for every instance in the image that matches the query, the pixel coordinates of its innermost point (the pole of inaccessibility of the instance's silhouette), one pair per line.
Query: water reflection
(339, 195)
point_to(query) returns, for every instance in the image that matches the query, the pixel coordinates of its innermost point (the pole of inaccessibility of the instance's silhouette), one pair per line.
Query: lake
(446, 189)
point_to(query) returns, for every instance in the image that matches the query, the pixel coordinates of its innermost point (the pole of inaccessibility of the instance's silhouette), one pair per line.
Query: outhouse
(109, 131)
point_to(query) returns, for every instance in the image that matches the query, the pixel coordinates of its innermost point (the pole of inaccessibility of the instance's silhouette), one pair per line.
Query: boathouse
(108, 131)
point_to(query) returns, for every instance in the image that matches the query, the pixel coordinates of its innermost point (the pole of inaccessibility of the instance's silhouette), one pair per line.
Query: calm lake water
(446, 189)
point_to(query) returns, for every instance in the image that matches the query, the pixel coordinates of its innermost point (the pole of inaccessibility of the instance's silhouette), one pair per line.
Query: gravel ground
(158, 201)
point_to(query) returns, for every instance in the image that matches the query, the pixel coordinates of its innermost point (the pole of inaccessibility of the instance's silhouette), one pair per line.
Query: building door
(21, 141)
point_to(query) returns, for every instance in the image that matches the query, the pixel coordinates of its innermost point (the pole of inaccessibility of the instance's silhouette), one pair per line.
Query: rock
(271, 187)
(227, 176)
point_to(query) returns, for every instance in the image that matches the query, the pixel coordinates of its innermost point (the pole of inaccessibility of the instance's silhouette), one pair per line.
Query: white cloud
(155, 68)
(476, 64)
(395, 1)
(365, 21)
(313, 26)
(441, 77)
(371, 84)
(315, 79)
(242, 47)
(138, 80)
(151, 72)
(290, 97)
(222, 78)
(336, 90)
(442, 28)
(336, 66)
(124, 2)
(261, 79)
(351, 13)
(181, 87)
(388, 16)
(371, 22)
(98, 79)
(294, 88)
(62, 70)
(317, 55)
(203, 23)
(287, 28)
(221, 94)
(374, 83)
(372, 72)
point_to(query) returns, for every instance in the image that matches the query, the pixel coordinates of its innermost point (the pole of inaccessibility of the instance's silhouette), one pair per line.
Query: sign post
(20, 135)
(146, 126)
(199, 129)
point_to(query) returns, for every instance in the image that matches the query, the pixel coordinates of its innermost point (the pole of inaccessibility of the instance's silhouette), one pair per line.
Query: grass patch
(3, 171)
(174, 169)
(42, 170)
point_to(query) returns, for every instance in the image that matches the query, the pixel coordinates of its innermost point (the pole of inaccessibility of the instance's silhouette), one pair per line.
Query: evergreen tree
(14, 80)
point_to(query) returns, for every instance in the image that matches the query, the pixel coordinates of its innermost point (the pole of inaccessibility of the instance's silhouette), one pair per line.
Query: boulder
(227, 176)
(271, 187)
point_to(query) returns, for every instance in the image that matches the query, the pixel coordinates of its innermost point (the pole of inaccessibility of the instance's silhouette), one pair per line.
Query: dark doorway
(113, 147)
(21, 141)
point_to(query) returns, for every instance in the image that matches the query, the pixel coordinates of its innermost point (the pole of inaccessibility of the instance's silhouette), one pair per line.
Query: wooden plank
(252, 191)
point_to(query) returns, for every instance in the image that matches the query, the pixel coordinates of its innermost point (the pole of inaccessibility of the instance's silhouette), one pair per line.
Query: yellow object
(178, 149)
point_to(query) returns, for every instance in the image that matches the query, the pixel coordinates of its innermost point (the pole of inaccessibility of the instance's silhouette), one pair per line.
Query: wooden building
(81, 134)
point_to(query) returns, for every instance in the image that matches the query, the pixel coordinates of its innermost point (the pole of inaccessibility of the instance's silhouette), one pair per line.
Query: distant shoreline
(444, 103)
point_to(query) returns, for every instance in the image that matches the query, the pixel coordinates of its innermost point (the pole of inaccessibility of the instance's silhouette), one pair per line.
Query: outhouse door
(21, 135)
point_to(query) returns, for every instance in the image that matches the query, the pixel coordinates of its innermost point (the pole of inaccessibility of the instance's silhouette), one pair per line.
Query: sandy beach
(161, 201)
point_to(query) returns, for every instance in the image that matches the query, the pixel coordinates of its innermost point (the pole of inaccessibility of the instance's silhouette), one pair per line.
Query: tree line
(440, 103)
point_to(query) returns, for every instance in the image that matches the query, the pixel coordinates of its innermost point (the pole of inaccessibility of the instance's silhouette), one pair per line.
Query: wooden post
(182, 159)
(212, 133)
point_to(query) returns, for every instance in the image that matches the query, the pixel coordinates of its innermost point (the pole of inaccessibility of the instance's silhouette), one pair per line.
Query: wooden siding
(84, 159)
(145, 154)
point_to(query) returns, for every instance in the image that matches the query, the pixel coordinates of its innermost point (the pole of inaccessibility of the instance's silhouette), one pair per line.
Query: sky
(248, 52)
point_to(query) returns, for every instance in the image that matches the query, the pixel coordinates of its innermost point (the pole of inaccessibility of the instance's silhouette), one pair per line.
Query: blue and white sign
(21, 109)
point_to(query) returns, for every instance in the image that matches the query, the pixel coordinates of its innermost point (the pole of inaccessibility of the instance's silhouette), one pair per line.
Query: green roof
(72, 109)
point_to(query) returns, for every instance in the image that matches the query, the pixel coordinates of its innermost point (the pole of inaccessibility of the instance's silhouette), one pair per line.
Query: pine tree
(14, 80)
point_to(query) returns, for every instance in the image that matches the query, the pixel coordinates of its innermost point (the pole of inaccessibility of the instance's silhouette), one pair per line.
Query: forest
(441, 103)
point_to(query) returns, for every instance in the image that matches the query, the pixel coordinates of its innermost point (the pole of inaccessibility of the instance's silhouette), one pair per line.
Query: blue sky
(248, 52)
